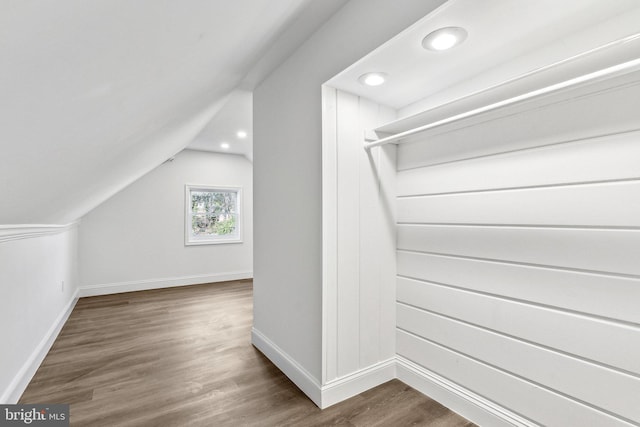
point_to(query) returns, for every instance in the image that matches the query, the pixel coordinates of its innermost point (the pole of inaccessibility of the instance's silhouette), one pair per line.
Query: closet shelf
(561, 80)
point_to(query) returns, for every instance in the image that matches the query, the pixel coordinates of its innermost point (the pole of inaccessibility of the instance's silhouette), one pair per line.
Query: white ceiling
(236, 115)
(94, 94)
(506, 38)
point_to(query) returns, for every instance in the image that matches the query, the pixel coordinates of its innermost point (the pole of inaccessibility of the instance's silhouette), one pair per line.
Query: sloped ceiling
(95, 94)
(235, 116)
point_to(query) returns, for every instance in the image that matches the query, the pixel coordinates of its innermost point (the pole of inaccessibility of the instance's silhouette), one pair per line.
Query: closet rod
(608, 72)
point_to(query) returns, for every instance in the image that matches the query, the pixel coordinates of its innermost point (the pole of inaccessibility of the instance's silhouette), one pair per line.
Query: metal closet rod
(594, 76)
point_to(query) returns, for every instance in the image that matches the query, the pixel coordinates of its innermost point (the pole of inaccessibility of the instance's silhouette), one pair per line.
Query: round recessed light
(372, 79)
(241, 134)
(444, 38)
(224, 145)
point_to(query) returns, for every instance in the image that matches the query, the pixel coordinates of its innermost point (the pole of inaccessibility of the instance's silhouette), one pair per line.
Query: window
(212, 215)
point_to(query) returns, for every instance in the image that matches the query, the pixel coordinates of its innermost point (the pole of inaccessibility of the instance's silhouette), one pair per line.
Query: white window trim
(187, 217)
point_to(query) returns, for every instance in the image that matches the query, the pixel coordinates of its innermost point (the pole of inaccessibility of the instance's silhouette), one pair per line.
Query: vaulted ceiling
(95, 94)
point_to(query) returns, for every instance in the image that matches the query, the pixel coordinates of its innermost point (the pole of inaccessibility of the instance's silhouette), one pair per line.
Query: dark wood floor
(183, 357)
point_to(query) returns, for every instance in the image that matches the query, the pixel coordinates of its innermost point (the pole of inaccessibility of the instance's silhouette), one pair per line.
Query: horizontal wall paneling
(605, 158)
(585, 381)
(609, 204)
(613, 251)
(609, 343)
(518, 243)
(594, 294)
(525, 398)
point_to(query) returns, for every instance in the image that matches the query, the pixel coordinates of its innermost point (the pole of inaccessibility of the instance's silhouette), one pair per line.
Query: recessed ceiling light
(444, 38)
(372, 79)
(224, 145)
(241, 134)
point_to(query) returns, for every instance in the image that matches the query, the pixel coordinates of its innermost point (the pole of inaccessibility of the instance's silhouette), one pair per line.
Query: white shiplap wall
(359, 242)
(519, 258)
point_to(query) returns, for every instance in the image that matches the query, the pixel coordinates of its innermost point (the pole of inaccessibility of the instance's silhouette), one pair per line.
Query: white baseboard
(20, 382)
(333, 392)
(296, 373)
(143, 285)
(357, 382)
(459, 399)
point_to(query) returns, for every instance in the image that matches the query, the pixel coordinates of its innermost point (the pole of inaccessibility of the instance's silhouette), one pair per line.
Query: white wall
(135, 240)
(518, 276)
(358, 239)
(34, 304)
(288, 158)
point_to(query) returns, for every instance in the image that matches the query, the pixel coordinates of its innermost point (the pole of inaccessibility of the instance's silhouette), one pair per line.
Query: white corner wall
(358, 241)
(135, 240)
(38, 288)
(288, 261)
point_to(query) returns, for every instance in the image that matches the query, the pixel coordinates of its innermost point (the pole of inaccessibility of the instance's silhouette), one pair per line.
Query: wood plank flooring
(183, 357)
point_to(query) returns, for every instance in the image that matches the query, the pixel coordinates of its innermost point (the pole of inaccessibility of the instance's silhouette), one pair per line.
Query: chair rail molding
(27, 231)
